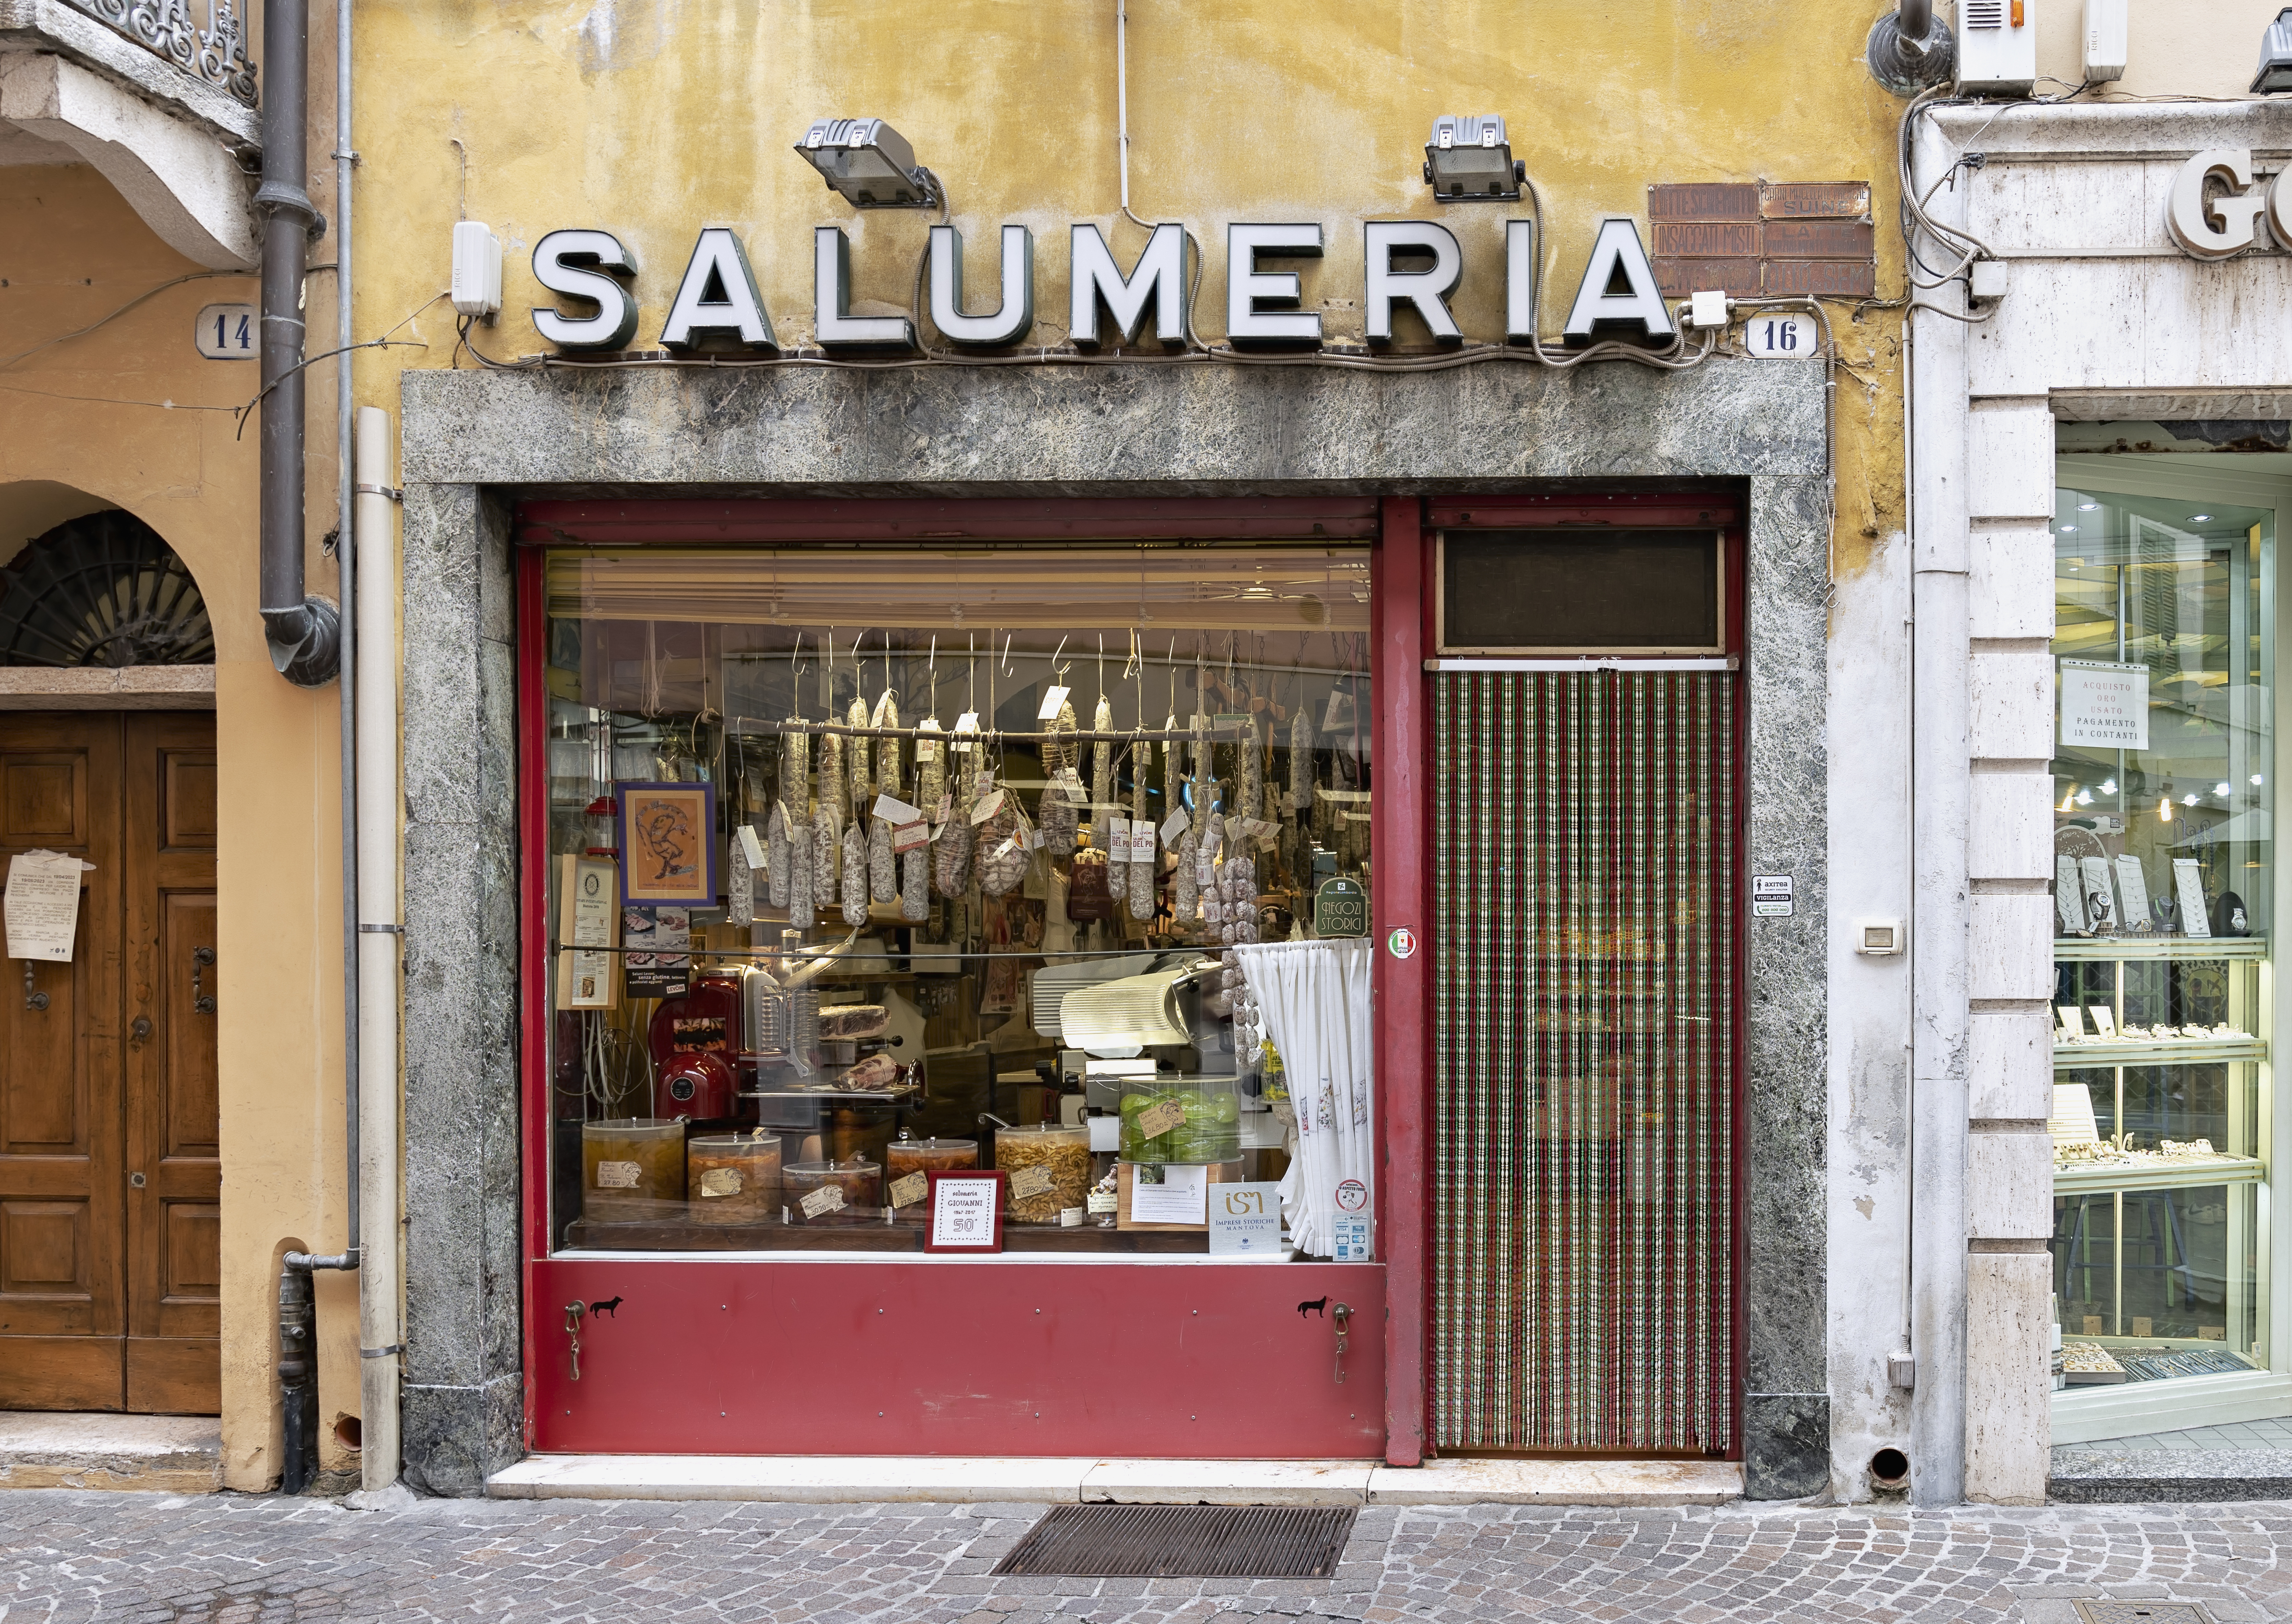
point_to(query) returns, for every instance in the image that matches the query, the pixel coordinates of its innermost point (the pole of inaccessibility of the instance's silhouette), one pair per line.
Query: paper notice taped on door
(43, 904)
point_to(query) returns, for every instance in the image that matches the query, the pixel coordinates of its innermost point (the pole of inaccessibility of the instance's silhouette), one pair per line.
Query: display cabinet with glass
(972, 837)
(2162, 898)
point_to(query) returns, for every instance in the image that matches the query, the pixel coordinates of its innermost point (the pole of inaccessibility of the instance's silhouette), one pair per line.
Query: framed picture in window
(668, 843)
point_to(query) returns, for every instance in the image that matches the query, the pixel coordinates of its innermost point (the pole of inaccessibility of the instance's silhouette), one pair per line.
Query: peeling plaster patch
(618, 33)
(1864, 1205)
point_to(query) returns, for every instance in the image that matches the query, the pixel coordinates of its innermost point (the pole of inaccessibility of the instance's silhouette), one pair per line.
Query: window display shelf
(2176, 1173)
(2173, 1051)
(2110, 949)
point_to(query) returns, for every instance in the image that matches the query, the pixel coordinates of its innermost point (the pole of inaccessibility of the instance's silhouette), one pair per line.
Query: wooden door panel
(44, 799)
(173, 1137)
(63, 1219)
(188, 1108)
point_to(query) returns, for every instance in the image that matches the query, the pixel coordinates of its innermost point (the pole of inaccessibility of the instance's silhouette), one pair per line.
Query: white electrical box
(1997, 47)
(1985, 280)
(1879, 938)
(1707, 309)
(2105, 40)
(477, 285)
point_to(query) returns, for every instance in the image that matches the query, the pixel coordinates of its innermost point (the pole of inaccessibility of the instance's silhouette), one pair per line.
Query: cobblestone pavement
(231, 1559)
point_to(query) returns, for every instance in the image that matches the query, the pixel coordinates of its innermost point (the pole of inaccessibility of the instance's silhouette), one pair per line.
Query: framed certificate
(965, 1212)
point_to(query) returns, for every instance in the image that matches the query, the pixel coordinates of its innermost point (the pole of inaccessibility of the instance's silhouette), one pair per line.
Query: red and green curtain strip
(1584, 1060)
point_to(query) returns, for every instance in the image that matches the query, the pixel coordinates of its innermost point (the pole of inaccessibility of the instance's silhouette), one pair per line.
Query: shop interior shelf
(2103, 1178)
(2172, 1051)
(2109, 948)
(860, 1235)
(870, 1097)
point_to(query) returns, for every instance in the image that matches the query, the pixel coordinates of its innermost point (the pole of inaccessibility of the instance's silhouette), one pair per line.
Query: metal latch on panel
(1343, 1315)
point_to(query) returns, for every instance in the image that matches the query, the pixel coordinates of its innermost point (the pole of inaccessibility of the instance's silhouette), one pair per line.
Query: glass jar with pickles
(1180, 1121)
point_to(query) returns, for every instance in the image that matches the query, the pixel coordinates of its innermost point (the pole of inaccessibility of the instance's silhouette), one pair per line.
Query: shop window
(1631, 592)
(870, 861)
(2163, 904)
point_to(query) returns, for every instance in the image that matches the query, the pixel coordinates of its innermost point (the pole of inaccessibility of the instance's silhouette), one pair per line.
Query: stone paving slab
(67, 1557)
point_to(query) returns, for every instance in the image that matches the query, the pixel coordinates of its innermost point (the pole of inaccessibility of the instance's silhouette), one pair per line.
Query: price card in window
(908, 1191)
(1030, 1181)
(966, 1212)
(1156, 1120)
(821, 1202)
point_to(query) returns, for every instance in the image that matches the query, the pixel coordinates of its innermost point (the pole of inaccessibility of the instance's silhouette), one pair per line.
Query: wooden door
(173, 1169)
(63, 1175)
(111, 1182)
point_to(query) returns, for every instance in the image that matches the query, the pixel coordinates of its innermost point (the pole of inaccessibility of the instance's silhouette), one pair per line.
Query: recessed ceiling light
(2188, 800)
(2199, 519)
(2220, 789)
(2087, 507)
(2069, 529)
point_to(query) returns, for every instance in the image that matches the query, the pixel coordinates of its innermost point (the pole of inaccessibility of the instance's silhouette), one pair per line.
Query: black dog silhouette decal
(1320, 1305)
(611, 1303)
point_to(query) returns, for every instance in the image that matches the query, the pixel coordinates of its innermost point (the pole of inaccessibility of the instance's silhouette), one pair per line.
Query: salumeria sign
(717, 301)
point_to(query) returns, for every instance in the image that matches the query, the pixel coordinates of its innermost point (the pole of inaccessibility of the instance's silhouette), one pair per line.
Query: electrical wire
(148, 293)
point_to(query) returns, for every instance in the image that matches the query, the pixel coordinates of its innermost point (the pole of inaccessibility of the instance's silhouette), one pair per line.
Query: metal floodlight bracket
(869, 164)
(2275, 57)
(1468, 158)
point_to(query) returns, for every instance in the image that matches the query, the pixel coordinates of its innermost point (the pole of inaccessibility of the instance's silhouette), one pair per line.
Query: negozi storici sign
(1414, 263)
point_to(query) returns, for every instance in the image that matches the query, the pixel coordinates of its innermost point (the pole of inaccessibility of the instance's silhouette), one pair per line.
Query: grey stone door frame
(472, 442)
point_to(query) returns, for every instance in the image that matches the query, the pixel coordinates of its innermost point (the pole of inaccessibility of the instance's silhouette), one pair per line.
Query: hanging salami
(1056, 808)
(855, 875)
(776, 858)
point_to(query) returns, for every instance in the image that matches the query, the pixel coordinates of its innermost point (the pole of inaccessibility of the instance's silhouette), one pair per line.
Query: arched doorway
(110, 1174)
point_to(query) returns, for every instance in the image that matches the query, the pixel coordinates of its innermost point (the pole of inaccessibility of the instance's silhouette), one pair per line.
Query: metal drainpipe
(304, 632)
(298, 1365)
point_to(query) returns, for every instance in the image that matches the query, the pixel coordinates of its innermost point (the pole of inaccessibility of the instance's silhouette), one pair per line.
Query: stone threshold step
(172, 1454)
(2210, 1475)
(827, 1480)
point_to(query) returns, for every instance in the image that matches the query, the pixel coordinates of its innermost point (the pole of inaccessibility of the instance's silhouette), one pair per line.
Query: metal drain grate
(1183, 1542)
(2142, 1612)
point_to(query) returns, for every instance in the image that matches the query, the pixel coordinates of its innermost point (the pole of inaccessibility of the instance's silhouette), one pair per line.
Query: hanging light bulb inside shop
(2221, 788)
(2188, 800)
(2068, 800)
(2084, 798)
(2165, 804)
(2109, 786)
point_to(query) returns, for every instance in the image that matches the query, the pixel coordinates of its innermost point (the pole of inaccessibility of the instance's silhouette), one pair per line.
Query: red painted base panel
(958, 1357)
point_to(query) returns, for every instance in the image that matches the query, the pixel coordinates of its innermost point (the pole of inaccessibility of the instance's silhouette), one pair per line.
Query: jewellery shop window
(2163, 786)
(873, 868)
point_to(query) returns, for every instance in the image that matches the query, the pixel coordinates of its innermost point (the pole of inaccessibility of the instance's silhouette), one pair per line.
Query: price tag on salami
(944, 810)
(907, 1192)
(752, 849)
(1068, 784)
(1117, 838)
(1030, 1181)
(1141, 840)
(926, 750)
(1175, 825)
(1053, 696)
(988, 807)
(894, 811)
(968, 722)
(825, 1199)
(1156, 1120)
(906, 837)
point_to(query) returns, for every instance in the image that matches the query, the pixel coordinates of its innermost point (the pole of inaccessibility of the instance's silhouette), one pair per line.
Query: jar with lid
(732, 1177)
(859, 1183)
(632, 1171)
(906, 1156)
(1182, 1121)
(1049, 1171)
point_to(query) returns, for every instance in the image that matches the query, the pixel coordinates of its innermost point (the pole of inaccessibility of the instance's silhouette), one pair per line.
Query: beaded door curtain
(1583, 1061)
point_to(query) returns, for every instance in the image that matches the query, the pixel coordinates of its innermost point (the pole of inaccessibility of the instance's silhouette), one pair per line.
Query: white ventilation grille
(1982, 14)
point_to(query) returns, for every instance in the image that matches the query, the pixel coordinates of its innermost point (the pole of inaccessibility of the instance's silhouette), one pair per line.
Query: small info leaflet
(43, 904)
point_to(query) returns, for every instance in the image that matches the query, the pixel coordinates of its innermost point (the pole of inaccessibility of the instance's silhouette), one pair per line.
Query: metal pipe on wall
(302, 631)
(346, 574)
(378, 936)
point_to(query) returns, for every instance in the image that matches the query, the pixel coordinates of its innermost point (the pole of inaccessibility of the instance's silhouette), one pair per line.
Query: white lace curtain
(1315, 997)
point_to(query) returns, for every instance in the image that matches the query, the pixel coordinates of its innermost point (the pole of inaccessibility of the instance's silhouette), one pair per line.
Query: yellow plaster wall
(132, 417)
(653, 118)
